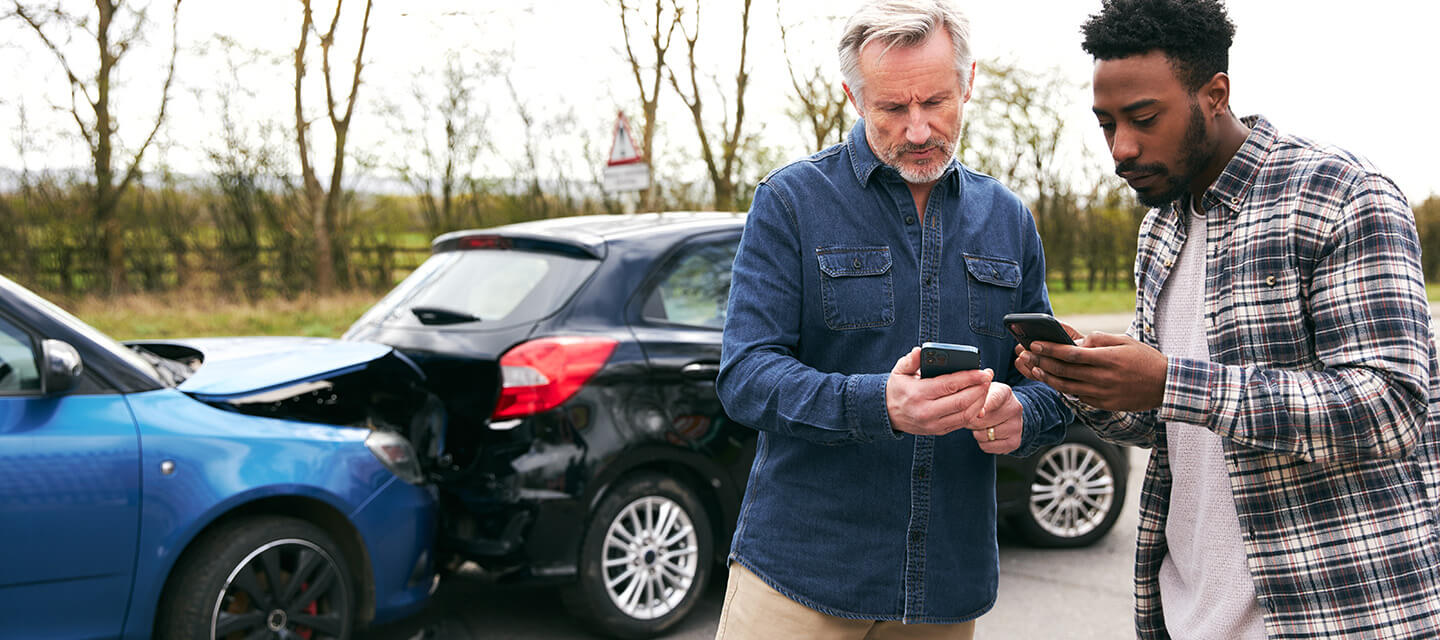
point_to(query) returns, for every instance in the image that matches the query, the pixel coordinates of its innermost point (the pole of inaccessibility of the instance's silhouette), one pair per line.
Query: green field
(193, 315)
(177, 316)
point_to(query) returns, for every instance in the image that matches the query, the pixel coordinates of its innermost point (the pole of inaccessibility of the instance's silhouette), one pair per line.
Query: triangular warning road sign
(623, 149)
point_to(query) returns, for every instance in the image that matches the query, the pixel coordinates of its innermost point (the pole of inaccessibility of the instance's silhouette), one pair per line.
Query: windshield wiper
(436, 315)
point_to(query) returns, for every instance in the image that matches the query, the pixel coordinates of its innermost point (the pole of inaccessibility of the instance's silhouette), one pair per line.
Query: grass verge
(189, 315)
(182, 315)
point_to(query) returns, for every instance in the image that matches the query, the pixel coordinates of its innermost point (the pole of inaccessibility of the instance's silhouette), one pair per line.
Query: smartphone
(1036, 326)
(940, 358)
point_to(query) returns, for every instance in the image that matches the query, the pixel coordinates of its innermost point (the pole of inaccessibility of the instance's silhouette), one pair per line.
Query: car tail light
(541, 374)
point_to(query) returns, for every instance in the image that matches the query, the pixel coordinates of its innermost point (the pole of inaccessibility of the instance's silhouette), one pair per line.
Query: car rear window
(499, 287)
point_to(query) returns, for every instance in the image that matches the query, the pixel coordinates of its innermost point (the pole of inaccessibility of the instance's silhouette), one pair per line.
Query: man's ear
(853, 102)
(1215, 95)
(970, 86)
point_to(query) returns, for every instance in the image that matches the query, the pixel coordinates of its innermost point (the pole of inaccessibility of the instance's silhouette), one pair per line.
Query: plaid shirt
(1322, 384)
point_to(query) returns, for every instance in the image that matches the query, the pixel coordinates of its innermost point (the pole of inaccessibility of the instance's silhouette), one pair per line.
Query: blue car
(218, 488)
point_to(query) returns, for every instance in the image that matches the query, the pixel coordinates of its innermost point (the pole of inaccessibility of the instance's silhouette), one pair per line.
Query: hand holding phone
(940, 358)
(1036, 326)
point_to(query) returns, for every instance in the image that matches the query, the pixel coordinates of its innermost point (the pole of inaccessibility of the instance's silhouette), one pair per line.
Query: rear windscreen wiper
(436, 315)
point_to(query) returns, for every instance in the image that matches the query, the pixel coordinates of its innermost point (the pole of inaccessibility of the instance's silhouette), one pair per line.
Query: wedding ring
(991, 432)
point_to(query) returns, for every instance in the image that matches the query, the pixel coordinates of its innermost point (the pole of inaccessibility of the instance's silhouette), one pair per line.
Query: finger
(908, 364)
(958, 410)
(998, 415)
(1090, 354)
(1077, 388)
(952, 383)
(1025, 364)
(1074, 333)
(997, 446)
(1102, 339)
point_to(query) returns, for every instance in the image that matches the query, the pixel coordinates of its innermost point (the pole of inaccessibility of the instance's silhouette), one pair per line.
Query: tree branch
(75, 83)
(134, 170)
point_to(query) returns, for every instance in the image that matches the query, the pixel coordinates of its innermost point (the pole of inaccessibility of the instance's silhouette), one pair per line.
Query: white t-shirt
(1205, 586)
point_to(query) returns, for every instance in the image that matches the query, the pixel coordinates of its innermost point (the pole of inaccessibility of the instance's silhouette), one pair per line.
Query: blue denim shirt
(836, 277)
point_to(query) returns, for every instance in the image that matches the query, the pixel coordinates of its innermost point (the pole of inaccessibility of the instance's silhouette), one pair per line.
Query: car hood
(241, 366)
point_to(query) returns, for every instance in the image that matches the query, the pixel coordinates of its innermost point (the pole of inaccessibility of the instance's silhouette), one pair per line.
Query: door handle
(701, 371)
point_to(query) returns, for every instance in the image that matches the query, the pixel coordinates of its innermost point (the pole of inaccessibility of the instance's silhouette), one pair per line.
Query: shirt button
(1235, 200)
(909, 219)
(927, 281)
(857, 263)
(1169, 263)
(1270, 281)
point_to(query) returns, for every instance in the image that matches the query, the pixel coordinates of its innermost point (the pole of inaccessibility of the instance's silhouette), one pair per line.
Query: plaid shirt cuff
(1188, 388)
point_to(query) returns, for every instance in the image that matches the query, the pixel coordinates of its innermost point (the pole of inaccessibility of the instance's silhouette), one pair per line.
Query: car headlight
(395, 452)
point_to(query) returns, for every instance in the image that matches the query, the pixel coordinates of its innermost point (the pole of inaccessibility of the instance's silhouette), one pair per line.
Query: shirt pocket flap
(997, 271)
(838, 262)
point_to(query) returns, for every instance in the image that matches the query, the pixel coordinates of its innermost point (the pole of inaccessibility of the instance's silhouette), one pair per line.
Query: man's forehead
(1152, 67)
(1133, 78)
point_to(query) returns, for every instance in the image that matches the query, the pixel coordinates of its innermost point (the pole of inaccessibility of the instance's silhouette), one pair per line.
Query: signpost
(626, 170)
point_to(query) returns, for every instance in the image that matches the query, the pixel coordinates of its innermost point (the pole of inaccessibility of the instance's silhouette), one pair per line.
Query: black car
(586, 442)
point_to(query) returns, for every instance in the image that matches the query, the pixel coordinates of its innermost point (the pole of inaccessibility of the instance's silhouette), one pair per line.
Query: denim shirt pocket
(856, 287)
(994, 284)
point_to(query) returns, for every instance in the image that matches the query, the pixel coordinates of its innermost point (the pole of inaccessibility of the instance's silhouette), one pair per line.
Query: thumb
(908, 364)
(1102, 339)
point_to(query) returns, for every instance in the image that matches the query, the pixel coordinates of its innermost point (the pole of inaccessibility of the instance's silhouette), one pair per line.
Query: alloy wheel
(288, 589)
(650, 557)
(1073, 491)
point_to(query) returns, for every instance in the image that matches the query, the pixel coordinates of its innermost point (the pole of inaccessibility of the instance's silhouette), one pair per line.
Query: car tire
(1076, 491)
(225, 584)
(645, 558)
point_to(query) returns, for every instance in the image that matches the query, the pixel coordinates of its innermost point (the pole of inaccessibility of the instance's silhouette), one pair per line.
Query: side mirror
(60, 366)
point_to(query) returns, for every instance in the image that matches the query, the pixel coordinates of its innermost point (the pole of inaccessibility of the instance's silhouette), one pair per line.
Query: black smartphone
(940, 358)
(1036, 326)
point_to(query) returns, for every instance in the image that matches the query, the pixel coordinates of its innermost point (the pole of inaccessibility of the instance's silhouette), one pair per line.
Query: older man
(870, 510)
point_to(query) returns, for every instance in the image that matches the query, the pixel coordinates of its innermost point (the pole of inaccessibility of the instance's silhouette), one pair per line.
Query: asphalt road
(1076, 594)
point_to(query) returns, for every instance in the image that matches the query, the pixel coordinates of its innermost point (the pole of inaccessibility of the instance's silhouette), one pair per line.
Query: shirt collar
(865, 163)
(1240, 173)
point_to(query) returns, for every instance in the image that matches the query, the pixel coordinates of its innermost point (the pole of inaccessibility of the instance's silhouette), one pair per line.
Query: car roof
(591, 233)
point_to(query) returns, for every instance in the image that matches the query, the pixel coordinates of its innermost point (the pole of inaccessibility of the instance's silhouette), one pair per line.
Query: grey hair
(903, 23)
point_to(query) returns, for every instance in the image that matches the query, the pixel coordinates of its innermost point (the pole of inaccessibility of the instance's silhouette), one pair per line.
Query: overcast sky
(1360, 75)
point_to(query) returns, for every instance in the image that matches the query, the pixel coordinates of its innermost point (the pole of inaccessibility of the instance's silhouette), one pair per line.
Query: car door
(679, 325)
(69, 501)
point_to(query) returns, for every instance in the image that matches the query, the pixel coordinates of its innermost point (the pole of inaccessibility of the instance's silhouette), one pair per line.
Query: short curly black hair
(1194, 34)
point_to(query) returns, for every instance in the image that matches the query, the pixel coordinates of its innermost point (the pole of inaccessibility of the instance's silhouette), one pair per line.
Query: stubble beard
(920, 173)
(1194, 160)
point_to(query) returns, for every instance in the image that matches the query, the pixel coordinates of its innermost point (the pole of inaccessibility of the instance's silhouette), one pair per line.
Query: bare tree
(322, 201)
(1014, 131)
(91, 102)
(818, 103)
(442, 175)
(722, 164)
(648, 74)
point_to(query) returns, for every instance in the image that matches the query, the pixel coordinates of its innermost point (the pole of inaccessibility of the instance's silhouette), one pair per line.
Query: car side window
(18, 371)
(694, 287)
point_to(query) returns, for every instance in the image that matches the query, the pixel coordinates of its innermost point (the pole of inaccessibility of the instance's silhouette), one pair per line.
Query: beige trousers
(756, 611)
